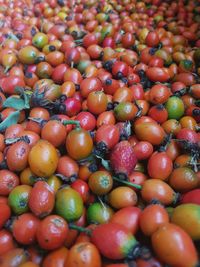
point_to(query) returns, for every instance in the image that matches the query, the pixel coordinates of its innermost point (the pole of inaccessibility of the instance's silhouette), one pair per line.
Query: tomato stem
(127, 183)
(79, 228)
(9, 141)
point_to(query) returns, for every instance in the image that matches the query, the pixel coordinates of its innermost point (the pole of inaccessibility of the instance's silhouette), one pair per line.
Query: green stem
(68, 122)
(10, 141)
(7, 69)
(79, 228)
(127, 183)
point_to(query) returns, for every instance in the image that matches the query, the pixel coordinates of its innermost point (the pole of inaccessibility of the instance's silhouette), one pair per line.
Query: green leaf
(18, 103)
(14, 102)
(105, 163)
(10, 120)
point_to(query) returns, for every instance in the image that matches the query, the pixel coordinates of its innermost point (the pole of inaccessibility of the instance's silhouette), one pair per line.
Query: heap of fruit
(99, 133)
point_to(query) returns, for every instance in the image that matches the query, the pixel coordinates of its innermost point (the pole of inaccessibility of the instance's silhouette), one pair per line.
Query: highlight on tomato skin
(99, 133)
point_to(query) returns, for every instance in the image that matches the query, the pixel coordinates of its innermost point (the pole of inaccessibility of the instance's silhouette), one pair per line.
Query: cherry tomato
(5, 214)
(43, 158)
(42, 199)
(122, 197)
(8, 181)
(150, 132)
(52, 232)
(152, 217)
(128, 217)
(183, 179)
(27, 234)
(79, 144)
(100, 182)
(159, 165)
(174, 246)
(83, 254)
(151, 190)
(56, 258)
(17, 156)
(6, 242)
(191, 211)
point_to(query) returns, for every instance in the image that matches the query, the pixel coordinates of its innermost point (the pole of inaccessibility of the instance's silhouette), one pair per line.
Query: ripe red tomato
(174, 246)
(5, 213)
(25, 235)
(42, 199)
(52, 232)
(6, 241)
(152, 217)
(129, 217)
(159, 165)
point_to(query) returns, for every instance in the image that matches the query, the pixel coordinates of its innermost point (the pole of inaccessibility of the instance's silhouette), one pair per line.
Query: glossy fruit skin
(42, 199)
(8, 181)
(82, 188)
(150, 132)
(159, 190)
(79, 144)
(56, 258)
(191, 224)
(159, 94)
(192, 196)
(152, 217)
(174, 246)
(52, 232)
(6, 242)
(120, 244)
(18, 199)
(122, 196)
(143, 150)
(183, 179)
(107, 134)
(87, 120)
(100, 182)
(43, 159)
(69, 204)
(188, 135)
(5, 214)
(14, 257)
(29, 264)
(175, 108)
(128, 217)
(27, 55)
(159, 165)
(54, 132)
(17, 156)
(67, 167)
(156, 74)
(83, 254)
(25, 235)
(97, 102)
(125, 111)
(98, 214)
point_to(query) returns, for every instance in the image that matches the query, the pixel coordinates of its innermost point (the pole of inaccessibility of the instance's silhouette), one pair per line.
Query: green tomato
(69, 204)
(187, 216)
(99, 213)
(40, 40)
(175, 108)
(18, 199)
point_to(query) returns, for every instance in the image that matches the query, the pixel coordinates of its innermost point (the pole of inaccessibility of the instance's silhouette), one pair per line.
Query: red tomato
(128, 217)
(159, 165)
(174, 246)
(52, 232)
(5, 213)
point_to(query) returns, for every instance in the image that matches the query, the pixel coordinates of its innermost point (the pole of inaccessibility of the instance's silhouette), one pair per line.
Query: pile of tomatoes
(99, 133)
